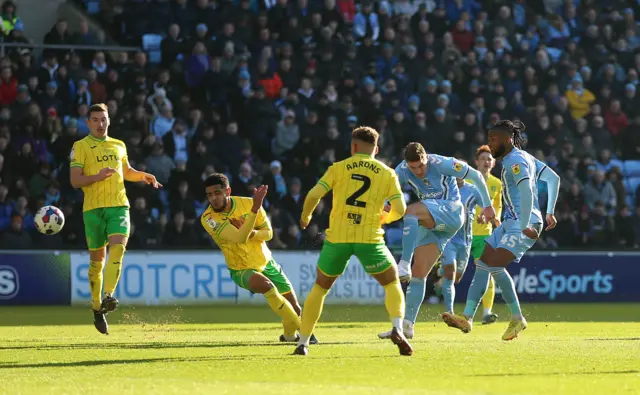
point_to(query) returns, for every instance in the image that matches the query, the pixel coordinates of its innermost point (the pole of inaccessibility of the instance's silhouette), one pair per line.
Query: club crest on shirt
(515, 168)
(493, 188)
(212, 223)
(457, 166)
(426, 182)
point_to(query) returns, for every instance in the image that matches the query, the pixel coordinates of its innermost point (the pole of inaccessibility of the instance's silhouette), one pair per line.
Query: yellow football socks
(114, 268)
(282, 307)
(95, 283)
(312, 310)
(394, 299)
(489, 296)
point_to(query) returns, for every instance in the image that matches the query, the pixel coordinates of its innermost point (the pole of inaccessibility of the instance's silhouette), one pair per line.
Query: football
(49, 220)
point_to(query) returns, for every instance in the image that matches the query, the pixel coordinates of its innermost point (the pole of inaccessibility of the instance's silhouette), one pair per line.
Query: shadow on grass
(555, 373)
(72, 364)
(150, 346)
(337, 316)
(613, 339)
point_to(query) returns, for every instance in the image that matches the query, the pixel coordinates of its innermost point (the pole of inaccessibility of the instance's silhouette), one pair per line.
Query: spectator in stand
(283, 82)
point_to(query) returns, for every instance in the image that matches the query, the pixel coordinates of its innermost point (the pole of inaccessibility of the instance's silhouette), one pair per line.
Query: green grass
(568, 349)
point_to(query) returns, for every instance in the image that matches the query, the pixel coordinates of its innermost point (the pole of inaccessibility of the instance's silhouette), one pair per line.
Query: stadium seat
(617, 163)
(634, 183)
(93, 6)
(631, 168)
(394, 236)
(151, 45)
(630, 200)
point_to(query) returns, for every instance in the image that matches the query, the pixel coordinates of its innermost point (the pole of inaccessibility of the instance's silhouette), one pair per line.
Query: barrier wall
(60, 278)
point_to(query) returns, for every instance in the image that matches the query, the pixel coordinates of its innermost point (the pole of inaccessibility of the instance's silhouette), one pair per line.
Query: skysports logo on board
(546, 282)
(9, 282)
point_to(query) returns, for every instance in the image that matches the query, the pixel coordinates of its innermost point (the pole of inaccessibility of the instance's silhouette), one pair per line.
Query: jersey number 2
(366, 184)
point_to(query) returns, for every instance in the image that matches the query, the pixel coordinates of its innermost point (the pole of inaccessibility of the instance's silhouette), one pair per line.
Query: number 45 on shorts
(511, 240)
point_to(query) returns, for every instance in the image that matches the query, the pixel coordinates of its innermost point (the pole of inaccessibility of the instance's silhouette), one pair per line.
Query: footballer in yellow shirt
(240, 227)
(484, 163)
(100, 167)
(361, 186)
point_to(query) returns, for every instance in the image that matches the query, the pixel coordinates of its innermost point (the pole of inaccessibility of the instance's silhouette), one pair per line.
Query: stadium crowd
(268, 91)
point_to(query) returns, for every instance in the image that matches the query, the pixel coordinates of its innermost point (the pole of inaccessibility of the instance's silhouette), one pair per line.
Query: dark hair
(515, 128)
(100, 107)
(217, 179)
(414, 152)
(366, 135)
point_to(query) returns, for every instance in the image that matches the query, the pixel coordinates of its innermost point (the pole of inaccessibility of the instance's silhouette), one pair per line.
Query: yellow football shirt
(252, 254)
(361, 185)
(495, 192)
(92, 155)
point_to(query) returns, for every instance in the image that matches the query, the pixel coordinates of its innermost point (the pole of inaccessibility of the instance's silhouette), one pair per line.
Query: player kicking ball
(482, 229)
(519, 231)
(361, 185)
(432, 222)
(241, 228)
(99, 166)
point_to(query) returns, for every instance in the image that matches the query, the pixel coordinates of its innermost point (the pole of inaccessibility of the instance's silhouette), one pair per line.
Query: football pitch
(567, 349)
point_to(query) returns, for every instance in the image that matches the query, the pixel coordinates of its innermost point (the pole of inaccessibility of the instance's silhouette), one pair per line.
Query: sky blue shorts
(510, 237)
(448, 216)
(456, 254)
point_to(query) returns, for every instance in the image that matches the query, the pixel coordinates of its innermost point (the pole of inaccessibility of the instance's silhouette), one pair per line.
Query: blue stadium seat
(394, 236)
(634, 183)
(632, 168)
(631, 201)
(151, 45)
(93, 6)
(617, 163)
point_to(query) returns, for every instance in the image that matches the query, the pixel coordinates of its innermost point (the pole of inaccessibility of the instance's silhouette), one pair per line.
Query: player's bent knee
(118, 239)
(98, 254)
(260, 284)
(387, 277)
(449, 271)
(324, 281)
(416, 209)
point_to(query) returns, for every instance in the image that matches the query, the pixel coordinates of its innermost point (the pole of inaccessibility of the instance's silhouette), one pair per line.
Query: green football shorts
(100, 223)
(477, 246)
(272, 271)
(334, 257)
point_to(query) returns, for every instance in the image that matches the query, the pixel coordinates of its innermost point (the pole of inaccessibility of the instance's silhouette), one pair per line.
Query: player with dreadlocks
(518, 232)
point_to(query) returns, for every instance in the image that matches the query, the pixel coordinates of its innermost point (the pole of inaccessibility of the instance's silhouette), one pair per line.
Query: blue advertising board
(571, 277)
(35, 279)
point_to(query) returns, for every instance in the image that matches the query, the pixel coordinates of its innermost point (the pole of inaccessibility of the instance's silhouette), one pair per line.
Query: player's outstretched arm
(310, 202)
(553, 185)
(396, 201)
(316, 193)
(478, 180)
(133, 175)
